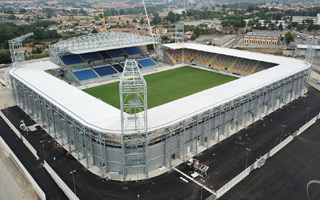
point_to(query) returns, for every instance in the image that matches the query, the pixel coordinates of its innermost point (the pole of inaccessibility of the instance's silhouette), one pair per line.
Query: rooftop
(263, 34)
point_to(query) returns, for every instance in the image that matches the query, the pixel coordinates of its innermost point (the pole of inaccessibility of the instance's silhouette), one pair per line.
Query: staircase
(254, 68)
(211, 60)
(230, 68)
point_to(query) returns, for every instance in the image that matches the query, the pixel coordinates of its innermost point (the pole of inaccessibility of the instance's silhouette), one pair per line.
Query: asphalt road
(228, 158)
(285, 175)
(34, 167)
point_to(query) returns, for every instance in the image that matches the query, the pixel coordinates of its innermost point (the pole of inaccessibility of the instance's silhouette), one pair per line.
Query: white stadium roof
(98, 42)
(100, 116)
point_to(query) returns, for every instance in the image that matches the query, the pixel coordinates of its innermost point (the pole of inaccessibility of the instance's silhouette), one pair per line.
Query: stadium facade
(91, 129)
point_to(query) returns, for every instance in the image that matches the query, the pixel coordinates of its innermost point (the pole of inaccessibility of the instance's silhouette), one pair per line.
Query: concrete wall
(69, 193)
(19, 135)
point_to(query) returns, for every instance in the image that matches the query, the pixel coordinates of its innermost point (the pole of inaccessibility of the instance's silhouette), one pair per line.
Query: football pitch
(167, 86)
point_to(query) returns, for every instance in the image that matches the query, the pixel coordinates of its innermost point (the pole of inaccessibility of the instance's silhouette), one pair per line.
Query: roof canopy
(98, 42)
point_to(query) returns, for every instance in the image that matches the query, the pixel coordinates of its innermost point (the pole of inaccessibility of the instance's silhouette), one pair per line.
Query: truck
(198, 166)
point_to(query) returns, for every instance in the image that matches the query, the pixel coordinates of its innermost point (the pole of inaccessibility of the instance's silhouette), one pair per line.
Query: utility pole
(247, 157)
(74, 182)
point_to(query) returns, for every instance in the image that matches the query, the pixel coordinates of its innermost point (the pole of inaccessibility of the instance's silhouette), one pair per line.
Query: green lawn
(164, 87)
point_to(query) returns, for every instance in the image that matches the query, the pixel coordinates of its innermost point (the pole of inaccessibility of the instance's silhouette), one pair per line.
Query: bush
(5, 57)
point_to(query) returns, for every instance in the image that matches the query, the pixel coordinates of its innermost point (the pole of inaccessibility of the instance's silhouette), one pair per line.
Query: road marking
(184, 179)
(191, 179)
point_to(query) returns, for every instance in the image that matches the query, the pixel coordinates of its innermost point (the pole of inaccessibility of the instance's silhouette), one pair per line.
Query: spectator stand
(190, 54)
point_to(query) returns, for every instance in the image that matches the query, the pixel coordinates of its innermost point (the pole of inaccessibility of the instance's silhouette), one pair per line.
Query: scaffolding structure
(179, 32)
(311, 41)
(98, 42)
(16, 50)
(133, 103)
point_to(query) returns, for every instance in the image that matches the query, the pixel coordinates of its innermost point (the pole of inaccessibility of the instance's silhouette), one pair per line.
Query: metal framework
(311, 46)
(310, 50)
(16, 50)
(141, 152)
(145, 10)
(98, 41)
(179, 32)
(133, 103)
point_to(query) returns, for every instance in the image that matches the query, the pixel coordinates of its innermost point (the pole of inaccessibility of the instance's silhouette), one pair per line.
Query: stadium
(245, 87)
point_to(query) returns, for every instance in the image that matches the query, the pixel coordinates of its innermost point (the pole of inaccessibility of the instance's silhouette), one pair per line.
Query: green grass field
(164, 87)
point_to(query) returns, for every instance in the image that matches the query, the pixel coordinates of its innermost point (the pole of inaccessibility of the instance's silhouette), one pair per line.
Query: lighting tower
(179, 32)
(102, 13)
(311, 41)
(16, 50)
(134, 126)
(145, 10)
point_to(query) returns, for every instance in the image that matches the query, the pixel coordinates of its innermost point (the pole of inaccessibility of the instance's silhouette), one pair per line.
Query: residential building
(264, 39)
(160, 31)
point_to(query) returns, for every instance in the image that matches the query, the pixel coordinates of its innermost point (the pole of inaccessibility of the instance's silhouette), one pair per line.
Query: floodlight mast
(311, 45)
(104, 19)
(134, 126)
(179, 32)
(145, 10)
(150, 29)
(16, 50)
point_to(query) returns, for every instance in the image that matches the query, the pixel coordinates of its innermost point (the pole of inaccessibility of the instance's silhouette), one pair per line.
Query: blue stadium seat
(115, 53)
(91, 56)
(104, 54)
(118, 67)
(71, 59)
(105, 70)
(132, 50)
(146, 62)
(85, 74)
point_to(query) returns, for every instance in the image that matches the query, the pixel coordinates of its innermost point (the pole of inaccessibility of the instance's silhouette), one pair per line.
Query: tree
(288, 38)
(164, 39)
(289, 26)
(12, 17)
(156, 19)
(172, 17)
(5, 57)
(294, 24)
(193, 37)
(250, 9)
(22, 10)
(94, 30)
(280, 27)
(184, 15)
(197, 31)
(141, 21)
(251, 23)
(36, 51)
(134, 21)
(271, 26)
(301, 27)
